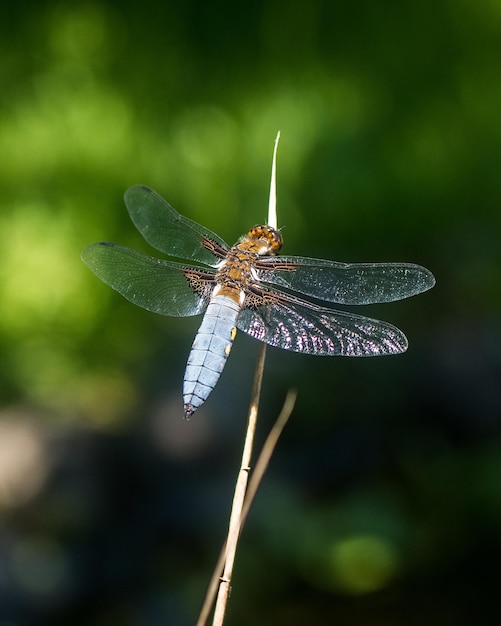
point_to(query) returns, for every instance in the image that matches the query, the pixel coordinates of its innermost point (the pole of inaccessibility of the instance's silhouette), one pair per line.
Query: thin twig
(254, 482)
(267, 451)
(272, 206)
(235, 524)
(239, 494)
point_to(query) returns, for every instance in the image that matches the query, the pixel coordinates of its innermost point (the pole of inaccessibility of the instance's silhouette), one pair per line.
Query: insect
(247, 286)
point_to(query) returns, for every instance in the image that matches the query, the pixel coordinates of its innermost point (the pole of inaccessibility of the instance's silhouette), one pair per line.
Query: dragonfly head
(267, 239)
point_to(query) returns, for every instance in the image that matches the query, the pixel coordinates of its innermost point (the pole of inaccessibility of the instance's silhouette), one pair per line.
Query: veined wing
(160, 286)
(346, 283)
(293, 324)
(168, 231)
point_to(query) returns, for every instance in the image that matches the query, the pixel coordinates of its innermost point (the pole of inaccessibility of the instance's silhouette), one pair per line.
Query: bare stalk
(267, 451)
(235, 524)
(239, 494)
(255, 480)
(272, 205)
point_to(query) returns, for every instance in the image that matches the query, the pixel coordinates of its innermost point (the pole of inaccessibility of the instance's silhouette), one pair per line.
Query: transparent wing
(292, 324)
(168, 231)
(160, 286)
(344, 283)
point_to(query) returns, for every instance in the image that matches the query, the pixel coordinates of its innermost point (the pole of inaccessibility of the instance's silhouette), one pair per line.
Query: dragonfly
(281, 300)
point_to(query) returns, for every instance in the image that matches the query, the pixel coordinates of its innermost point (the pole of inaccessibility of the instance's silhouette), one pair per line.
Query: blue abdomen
(209, 351)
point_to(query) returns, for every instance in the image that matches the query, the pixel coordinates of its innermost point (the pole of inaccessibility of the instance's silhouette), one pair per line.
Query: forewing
(344, 283)
(292, 324)
(160, 286)
(168, 231)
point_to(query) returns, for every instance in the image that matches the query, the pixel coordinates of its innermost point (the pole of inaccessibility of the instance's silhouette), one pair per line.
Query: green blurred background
(382, 504)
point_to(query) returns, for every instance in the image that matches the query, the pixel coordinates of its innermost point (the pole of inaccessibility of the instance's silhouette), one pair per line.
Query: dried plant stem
(267, 451)
(239, 494)
(255, 480)
(236, 517)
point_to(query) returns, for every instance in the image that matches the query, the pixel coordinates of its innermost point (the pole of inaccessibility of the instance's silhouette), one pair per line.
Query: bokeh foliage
(383, 500)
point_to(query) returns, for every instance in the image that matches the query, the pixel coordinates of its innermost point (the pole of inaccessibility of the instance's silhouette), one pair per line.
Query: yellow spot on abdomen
(232, 335)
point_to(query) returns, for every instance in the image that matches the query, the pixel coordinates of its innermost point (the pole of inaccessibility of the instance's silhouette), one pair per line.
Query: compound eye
(272, 237)
(277, 240)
